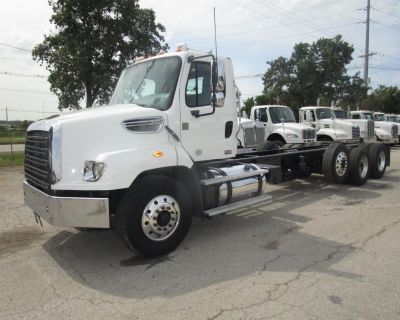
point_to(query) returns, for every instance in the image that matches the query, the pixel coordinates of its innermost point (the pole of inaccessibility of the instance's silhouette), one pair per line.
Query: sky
(250, 32)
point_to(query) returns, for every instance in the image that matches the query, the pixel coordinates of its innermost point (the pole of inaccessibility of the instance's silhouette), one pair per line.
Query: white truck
(279, 126)
(385, 132)
(392, 119)
(165, 149)
(367, 126)
(328, 127)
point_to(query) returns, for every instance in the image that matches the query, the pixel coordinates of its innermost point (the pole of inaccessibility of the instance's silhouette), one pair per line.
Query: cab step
(236, 205)
(244, 175)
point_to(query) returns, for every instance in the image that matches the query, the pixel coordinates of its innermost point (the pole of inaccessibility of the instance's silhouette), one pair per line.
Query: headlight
(291, 135)
(93, 170)
(55, 153)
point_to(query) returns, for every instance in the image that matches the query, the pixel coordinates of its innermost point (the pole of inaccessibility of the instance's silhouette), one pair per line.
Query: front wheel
(155, 216)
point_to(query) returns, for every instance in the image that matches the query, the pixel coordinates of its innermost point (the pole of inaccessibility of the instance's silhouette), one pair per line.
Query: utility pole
(367, 54)
(366, 61)
(9, 132)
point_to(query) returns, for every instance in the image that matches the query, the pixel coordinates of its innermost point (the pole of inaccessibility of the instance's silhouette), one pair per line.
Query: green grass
(15, 140)
(6, 159)
(17, 136)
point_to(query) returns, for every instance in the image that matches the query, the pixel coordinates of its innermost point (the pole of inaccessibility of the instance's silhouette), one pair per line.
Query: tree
(313, 71)
(385, 99)
(248, 104)
(94, 40)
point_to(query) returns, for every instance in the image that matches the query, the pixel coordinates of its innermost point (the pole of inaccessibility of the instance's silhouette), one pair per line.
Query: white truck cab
(279, 124)
(367, 126)
(385, 132)
(381, 117)
(328, 127)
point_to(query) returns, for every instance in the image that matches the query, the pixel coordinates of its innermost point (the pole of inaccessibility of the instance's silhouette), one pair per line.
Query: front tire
(155, 216)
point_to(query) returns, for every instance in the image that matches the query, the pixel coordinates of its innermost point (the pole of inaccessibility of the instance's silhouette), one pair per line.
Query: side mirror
(244, 114)
(282, 120)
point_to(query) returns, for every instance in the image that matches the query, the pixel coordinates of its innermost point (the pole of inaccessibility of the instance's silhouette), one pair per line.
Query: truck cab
(381, 117)
(367, 126)
(384, 131)
(328, 128)
(279, 125)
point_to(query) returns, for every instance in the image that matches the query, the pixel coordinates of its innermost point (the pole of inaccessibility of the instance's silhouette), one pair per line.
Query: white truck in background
(165, 149)
(276, 124)
(380, 117)
(328, 127)
(385, 132)
(367, 126)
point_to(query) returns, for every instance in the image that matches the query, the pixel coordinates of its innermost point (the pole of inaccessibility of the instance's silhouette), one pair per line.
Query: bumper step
(236, 205)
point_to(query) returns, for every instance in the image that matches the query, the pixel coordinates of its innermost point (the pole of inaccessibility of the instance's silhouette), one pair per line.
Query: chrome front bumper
(68, 211)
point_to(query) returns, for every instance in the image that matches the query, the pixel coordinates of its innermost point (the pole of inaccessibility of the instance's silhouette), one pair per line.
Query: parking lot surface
(314, 251)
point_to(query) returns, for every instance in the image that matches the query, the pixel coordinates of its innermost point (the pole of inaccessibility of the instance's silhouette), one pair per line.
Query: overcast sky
(250, 32)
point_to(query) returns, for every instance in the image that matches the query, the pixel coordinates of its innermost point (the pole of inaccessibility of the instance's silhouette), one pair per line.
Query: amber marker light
(158, 154)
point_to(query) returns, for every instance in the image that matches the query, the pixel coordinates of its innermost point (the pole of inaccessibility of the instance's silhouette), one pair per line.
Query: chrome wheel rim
(160, 217)
(341, 164)
(381, 160)
(363, 166)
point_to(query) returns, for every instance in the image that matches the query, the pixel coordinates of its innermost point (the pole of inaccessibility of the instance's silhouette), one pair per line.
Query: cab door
(205, 134)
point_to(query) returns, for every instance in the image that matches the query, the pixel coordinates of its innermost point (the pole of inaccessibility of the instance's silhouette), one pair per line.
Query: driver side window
(198, 86)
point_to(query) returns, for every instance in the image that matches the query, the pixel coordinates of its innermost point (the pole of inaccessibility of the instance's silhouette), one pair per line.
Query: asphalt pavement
(314, 251)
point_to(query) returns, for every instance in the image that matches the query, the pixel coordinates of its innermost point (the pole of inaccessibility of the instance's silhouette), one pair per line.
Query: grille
(371, 128)
(308, 134)
(355, 132)
(37, 165)
(395, 131)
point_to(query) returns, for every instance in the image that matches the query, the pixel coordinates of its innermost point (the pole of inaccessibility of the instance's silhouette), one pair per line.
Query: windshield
(368, 116)
(339, 114)
(279, 113)
(393, 118)
(379, 117)
(148, 84)
(325, 113)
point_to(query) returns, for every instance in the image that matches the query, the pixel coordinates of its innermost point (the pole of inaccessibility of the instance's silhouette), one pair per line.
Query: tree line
(93, 40)
(316, 74)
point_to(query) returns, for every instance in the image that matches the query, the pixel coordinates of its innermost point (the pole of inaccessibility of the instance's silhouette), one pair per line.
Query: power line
(14, 47)
(25, 90)
(281, 38)
(31, 111)
(257, 20)
(267, 27)
(7, 73)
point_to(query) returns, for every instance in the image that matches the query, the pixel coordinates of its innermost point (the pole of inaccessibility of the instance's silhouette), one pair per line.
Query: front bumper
(68, 211)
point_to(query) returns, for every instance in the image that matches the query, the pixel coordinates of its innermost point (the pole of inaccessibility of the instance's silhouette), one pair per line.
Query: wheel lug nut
(146, 223)
(155, 224)
(170, 225)
(159, 229)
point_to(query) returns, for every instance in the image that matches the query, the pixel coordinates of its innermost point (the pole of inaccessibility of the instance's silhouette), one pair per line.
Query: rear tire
(154, 217)
(359, 166)
(377, 156)
(335, 166)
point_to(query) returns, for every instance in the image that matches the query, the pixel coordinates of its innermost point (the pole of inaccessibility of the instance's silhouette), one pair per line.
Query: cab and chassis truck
(164, 150)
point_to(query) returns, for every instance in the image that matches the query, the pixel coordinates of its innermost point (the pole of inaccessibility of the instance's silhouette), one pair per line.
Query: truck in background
(381, 117)
(367, 126)
(165, 149)
(274, 123)
(327, 126)
(385, 132)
